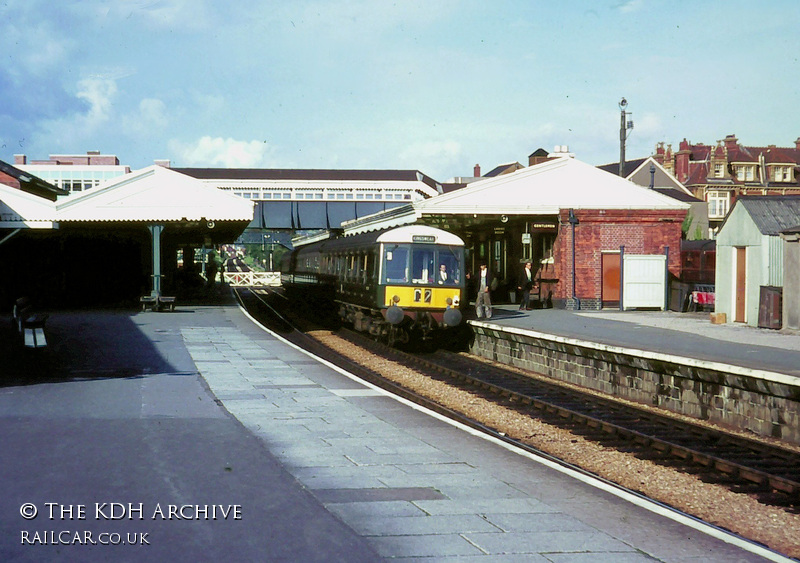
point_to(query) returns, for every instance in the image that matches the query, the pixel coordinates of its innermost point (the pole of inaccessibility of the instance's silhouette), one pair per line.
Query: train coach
(402, 285)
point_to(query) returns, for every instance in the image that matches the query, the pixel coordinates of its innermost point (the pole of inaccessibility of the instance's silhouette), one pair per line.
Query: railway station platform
(687, 335)
(394, 481)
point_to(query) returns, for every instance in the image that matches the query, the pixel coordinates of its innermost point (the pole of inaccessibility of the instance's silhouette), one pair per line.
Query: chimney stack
(476, 172)
(22, 159)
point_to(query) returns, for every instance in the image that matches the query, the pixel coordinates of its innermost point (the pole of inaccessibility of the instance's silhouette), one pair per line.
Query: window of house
(719, 171)
(744, 173)
(718, 203)
(782, 173)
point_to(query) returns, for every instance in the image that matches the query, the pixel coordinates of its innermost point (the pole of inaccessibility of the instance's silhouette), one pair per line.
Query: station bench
(157, 303)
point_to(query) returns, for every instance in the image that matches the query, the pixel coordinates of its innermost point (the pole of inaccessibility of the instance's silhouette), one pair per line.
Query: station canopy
(540, 190)
(151, 195)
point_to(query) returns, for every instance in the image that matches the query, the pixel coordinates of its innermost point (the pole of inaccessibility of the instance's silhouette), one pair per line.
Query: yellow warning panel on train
(419, 297)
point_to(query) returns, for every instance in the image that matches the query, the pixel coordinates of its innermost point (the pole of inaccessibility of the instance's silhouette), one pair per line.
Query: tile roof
(629, 168)
(680, 195)
(503, 169)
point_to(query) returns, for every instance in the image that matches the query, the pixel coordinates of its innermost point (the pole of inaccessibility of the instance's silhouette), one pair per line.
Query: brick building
(719, 174)
(602, 236)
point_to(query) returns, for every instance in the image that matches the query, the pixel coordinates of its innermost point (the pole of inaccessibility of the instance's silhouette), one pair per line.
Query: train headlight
(449, 301)
(456, 301)
(395, 315)
(396, 299)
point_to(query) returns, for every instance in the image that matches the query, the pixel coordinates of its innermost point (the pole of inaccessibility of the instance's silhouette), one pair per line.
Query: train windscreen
(423, 264)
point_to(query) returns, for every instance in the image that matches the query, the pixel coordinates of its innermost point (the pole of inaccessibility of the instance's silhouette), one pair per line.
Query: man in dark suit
(442, 277)
(525, 285)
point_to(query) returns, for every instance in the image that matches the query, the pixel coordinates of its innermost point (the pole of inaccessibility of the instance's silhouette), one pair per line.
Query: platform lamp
(573, 220)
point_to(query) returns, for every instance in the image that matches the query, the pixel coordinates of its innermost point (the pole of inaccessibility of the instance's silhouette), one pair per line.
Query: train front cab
(422, 280)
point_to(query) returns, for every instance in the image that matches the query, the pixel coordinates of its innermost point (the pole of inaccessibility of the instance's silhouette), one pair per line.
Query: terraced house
(719, 174)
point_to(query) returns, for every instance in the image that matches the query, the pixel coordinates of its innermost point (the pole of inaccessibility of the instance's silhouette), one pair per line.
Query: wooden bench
(157, 303)
(148, 301)
(166, 302)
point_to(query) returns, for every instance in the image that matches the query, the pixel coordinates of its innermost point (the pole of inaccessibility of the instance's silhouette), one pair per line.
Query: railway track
(770, 473)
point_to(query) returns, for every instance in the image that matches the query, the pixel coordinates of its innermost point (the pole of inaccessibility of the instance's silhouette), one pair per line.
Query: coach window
(370, 266)
(396, 264)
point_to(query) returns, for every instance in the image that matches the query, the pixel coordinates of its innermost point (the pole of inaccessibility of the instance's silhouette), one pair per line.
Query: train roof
(412, 233)
(398, 235)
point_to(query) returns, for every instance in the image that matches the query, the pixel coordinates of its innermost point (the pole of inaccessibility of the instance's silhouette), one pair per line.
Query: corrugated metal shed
(772, 214)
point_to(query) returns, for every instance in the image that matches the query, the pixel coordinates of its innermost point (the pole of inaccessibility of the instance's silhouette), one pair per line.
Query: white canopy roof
(151, 194)
(542, 189)
(19, 209)
(154, 193)
(545, 189)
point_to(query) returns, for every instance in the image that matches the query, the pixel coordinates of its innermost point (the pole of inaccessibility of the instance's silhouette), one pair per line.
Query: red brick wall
(598, 230)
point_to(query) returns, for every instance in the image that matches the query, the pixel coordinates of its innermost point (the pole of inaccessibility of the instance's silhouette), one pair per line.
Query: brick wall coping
(771, 376)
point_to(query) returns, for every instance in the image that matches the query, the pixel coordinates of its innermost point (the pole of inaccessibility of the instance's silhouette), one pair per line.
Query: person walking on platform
(483, 302)
(525, 285)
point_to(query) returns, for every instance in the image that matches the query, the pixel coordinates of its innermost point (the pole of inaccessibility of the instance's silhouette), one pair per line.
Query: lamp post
(263, 248)
(573, 220)
(625, 126)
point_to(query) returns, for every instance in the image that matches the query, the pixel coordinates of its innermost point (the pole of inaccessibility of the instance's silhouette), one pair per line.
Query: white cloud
(151, 116)
(98, 92)
(216, 151)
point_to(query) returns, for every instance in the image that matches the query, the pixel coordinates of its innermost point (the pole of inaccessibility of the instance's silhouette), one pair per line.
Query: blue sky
(431, 85)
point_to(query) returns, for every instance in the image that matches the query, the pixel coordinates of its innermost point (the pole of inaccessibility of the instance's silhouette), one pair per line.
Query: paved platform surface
(689, 335)
(393, 481)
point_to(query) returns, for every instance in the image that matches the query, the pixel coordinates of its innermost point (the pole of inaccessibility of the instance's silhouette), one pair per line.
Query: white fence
(644, 279)
(238, 279)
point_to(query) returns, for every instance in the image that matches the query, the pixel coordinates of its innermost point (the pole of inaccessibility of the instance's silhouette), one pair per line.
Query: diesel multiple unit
(401, 284)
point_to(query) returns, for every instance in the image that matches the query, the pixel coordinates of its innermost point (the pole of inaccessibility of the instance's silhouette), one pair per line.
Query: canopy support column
(155, 234)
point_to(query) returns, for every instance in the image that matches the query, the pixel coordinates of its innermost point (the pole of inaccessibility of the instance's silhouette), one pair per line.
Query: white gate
(251, 278)
(644, 278)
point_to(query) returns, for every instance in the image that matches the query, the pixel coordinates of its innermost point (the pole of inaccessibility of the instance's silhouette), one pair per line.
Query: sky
(434, 85)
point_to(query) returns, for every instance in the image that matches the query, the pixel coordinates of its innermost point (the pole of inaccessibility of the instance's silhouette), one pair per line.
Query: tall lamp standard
(263, 248)
(625, 126)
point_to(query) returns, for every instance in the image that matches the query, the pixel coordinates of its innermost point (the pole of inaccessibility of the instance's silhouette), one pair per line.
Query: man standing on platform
(525, 285)
(483, 302)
